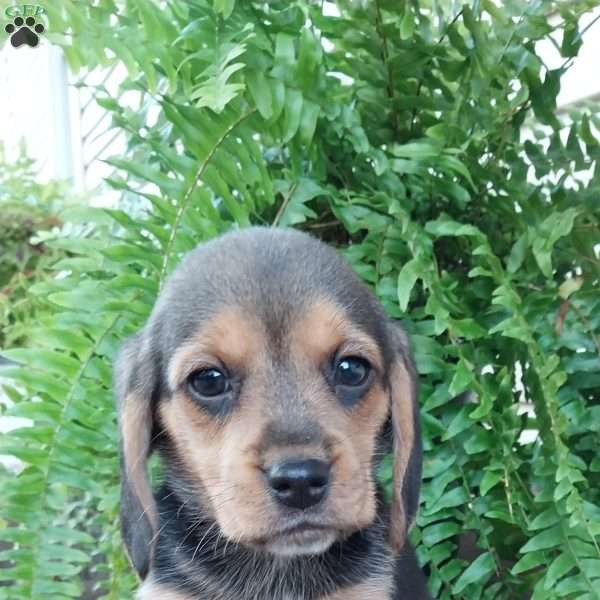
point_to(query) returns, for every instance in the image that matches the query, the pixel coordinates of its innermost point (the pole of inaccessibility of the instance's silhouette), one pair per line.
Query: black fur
(192, 557)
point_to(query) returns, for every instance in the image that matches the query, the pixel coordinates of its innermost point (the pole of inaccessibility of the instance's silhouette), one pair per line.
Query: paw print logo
(24, 32)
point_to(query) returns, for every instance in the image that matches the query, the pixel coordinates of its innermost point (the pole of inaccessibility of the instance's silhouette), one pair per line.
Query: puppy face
(271, 372)
(243, 404)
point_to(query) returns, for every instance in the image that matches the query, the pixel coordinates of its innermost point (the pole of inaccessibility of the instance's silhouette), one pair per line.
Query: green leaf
(572, 40)
(292, 113)
(407, 278)
(479, 570)
(54, 362)
(517, 254)
(417, 150)
(545, 519)
(445, 226)
(296, 196)
(407, 25)
(458, 424)
(225, 7)
(532, 560)
(308, 121)
(463, 376)
(434, 534)
(261, 93)
(559, 567)
(309, 58)
(554, 227)
(489, 480)
(550, 538)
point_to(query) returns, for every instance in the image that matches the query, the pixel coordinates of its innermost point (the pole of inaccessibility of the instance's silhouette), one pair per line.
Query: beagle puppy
(271, 384)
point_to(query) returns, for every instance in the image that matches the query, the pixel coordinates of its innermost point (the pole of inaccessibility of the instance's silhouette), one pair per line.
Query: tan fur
(221, 456)
(231, 337)
(316, 336)
(224, 456)
(403, 423)
(324, 327)
(135, 432)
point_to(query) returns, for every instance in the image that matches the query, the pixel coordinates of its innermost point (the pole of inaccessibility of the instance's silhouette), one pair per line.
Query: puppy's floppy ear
(135, 384)
(407, 438)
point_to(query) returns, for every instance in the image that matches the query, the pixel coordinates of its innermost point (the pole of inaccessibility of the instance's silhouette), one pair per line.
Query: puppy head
(271, 372)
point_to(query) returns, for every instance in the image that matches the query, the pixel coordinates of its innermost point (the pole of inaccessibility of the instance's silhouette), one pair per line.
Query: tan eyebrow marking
(229, 337)
(325, 327)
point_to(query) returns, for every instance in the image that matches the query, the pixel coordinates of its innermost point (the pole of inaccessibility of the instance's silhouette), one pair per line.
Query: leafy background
(422, 138)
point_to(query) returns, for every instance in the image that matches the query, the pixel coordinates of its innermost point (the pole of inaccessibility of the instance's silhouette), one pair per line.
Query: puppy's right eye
(209, 383)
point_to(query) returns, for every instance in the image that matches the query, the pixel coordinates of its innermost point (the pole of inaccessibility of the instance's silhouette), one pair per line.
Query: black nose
(299, 483)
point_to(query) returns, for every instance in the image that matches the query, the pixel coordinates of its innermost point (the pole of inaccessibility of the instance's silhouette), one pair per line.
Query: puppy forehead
(240, 337)
(271, 279)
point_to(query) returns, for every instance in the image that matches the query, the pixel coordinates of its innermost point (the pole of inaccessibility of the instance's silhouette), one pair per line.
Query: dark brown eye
(209, 383)
(352, 371)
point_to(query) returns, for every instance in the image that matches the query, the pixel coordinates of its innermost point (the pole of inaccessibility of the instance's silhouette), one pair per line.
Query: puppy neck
(194, 557)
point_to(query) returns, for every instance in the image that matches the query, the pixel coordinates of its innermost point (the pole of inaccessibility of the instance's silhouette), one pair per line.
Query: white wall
(67, 134)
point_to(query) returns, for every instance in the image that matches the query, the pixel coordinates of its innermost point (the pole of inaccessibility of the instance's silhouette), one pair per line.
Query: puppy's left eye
(352, 371)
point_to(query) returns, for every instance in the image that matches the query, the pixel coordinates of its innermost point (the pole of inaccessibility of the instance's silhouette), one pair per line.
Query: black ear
(135, 383)
(407, 438)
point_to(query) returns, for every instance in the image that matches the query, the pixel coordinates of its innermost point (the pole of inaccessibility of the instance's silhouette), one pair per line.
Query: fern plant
(26, 207)
(421, 138)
